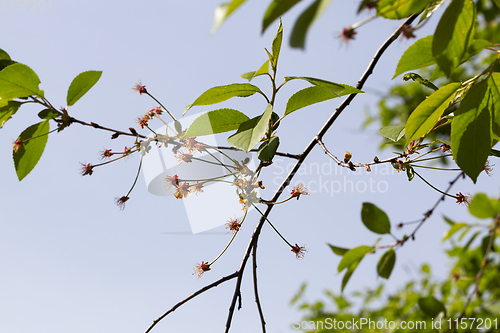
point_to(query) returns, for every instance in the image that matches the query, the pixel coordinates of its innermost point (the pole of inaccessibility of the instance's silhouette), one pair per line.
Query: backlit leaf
(80, 85)
(398, 9)
(18, 80)
(425, 116)
(8, 111)
(27, 156)
(251, 131)
(471, 132)
(352, 256)
(216, 121)
(223, 93)
(453, 34)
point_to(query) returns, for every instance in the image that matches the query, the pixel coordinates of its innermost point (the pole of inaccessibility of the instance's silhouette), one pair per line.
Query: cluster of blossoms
(182, 189)
(144, 120)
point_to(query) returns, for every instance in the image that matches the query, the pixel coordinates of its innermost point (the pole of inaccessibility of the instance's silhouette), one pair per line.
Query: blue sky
(73, 262)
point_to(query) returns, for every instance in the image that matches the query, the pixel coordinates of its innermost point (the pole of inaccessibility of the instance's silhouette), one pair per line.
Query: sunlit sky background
(71, 261)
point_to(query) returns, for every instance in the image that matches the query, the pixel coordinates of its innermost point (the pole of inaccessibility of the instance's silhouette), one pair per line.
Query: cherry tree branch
(303, 156)
(190, 297)
(351, 165)
(300, 159)
(256, 289)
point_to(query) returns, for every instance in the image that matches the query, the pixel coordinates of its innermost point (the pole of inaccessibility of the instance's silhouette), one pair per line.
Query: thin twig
(356, 165)
(255, 150)
(200, 291)
(256, 288)
(94, 125)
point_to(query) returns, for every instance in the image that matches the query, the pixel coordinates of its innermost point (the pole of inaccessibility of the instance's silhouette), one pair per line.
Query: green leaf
(268, 149)
(375, 219)
(348, 274)
(340, 251)
(394, 133)
(425, 116)
(223, 11)
(277, 46)
(471, 131)
(336, 88)
(80, 85)
(497, 2)
(308, 96)
(216, 121)
(18, 80)
(27, 156)
(474, 48)
(453, 34)
(299, 294)
(431, 306)
(49, 114)
(178, 126)
(484, 208)
(353, 256)
(386, 264)
(450, 222)
(417, 78)
(398, 9)
(304, 22)
(251, 131)
(494, 87)
(454, 228)
(6, 62)
(431, 8)
(223, 93)
(264, 69)
(276, 9)
(417, 56)
(4, 55)
(8, 111)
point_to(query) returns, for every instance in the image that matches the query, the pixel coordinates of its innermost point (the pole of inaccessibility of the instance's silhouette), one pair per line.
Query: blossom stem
(206, 180)
(136, 177)
(157, 101)
(210, 162)
(39, 136)
(360, 23)
(428, 159)
(278, 202)
(116, 159)
(272, 226)
(430, 151)
(230, 241)
(433, 168)
(443, 193)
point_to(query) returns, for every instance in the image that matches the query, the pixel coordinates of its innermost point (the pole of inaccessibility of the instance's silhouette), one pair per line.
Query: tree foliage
(449, 110)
